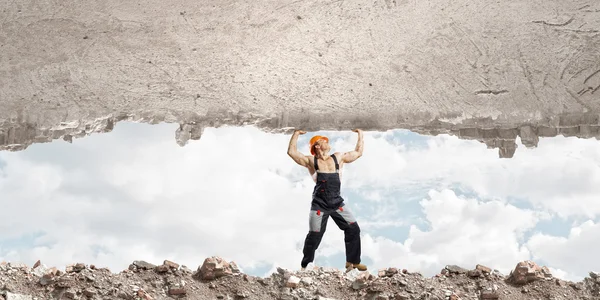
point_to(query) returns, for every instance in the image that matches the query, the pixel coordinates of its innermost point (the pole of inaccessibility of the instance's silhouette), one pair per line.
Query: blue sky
(422, 201)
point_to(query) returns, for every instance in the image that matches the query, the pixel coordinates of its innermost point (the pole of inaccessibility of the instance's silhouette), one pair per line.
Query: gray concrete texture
(489, 70)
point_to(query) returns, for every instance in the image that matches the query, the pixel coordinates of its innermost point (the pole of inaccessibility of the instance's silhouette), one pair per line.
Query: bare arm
(351, 156)
(293, 152)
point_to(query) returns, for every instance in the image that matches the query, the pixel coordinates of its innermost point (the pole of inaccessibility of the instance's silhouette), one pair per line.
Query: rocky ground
(219, 279)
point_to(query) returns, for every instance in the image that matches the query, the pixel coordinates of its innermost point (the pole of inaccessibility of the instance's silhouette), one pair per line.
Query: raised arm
(351, 156)
(298, 157)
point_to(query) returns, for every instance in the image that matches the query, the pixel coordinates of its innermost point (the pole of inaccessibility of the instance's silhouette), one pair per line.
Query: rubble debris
(218, 279)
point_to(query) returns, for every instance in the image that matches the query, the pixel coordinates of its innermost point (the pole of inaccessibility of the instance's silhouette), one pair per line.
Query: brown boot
(360, 267)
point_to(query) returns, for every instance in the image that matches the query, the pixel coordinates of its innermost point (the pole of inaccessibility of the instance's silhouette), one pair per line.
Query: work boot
(360, 267)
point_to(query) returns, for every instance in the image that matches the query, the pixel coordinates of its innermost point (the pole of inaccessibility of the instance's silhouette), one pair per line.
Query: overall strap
(337, 167)
(316, 165)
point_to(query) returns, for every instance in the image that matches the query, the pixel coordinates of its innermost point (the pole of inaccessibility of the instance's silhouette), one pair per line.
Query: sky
(422, 202)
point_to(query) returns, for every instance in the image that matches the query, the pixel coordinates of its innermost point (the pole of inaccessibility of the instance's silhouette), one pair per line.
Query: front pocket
(315, 220)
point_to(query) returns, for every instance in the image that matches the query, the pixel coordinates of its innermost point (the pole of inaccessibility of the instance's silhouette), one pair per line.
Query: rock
(39, 270)
(215, 267)
(46, 279)
(391, 272)
(162, 268)
(65, 282)
(48, 276)
(594, 275)
(185, 269)
(89, 292)
(140, 264)
(11, 296)
(360, 281)
(352, 274)
(78, 267)
(528, 271)
(474, 273)
(489, 295)
(307, 280)
(292, 282)
(456, 269)
(483, 268)
(69, 268)
(376, 287)
(37, 263)
(177, 290)
(171, 264)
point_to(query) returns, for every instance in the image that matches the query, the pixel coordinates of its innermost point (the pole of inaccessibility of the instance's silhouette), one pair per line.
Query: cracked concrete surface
(477, 69)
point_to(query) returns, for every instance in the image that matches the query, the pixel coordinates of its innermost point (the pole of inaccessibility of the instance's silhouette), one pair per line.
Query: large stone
(171, 264)
(528, 271)
(140, 264)
(162, 268)
(361, 280)
(456, 269)
(474, 273)
(292, 282)
(49, 276)
(215, 267)
(37, 263)
(483, 268)
(78, 267)
(39, 270)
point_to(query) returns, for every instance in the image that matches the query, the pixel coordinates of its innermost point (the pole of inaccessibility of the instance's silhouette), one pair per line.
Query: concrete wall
(331, 65)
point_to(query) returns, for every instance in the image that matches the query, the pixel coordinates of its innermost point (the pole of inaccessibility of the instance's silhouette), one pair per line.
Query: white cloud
(463, 232)
(114, 198)
(574, 255)
(233, 194)
(561, 175)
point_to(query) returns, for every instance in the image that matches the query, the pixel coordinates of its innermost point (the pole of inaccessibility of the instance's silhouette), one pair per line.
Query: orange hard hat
(313, 140)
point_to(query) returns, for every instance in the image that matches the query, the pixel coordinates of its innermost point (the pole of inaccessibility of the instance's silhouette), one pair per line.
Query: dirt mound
(219, 279)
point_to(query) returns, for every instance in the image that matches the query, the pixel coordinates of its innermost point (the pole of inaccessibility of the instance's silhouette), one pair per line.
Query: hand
(298, 131)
